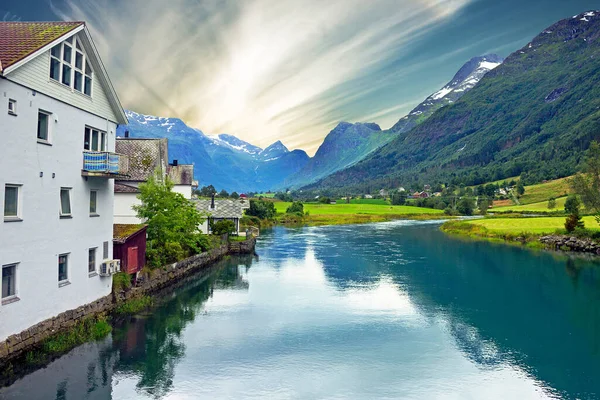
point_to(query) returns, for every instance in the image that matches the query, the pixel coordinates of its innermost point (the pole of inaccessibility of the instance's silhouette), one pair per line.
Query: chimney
(212, 202)
(126, 133)
(175, 163)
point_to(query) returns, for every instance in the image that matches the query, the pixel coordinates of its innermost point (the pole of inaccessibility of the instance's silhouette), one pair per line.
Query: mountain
(224, 161)
(465, 79)
(349, 143)
(535, 113)
(345, 145)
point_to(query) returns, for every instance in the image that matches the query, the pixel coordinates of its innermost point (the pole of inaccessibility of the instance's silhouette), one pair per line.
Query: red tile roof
(20, 39)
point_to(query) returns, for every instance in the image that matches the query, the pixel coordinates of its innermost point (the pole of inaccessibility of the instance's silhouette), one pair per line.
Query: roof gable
(21, 42)
(21, 39)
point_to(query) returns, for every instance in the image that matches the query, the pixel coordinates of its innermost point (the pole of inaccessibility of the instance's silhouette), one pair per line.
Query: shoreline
(17, 348)
(567, 244)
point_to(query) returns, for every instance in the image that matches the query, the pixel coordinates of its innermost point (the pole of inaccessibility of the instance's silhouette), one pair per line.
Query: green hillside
(534, 114)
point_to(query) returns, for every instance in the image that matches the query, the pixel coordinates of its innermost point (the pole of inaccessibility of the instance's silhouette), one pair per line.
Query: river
(382, 311)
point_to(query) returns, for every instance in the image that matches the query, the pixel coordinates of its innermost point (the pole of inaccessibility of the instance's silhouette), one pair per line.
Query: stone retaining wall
(571, 243)
(16, 345)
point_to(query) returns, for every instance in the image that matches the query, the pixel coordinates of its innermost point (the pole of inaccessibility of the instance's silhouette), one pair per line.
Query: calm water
(394, 310)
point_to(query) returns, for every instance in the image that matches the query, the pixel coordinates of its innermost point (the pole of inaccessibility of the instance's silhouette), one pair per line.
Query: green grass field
(358, 209)
(366, 201)
(542, 225)
(265, 195)
(541, 206)
(543, 191)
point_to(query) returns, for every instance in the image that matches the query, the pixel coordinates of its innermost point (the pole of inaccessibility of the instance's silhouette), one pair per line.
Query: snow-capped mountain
(464, 80)
(224, 161)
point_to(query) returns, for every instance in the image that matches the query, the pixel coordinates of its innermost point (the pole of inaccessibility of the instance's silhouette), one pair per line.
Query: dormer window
(70, 66)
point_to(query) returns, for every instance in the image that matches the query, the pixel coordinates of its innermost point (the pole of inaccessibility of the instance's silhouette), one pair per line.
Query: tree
(483, 206)
(222, 227)
(587, 184)
(207, 191)
(234, 195)
(172, 221)
(223, 193)
(261, 209)
(465, 206)
(399, 198)
(296, 208)
(324, 200)
(551, 203)
(520, 188)
(573, 220)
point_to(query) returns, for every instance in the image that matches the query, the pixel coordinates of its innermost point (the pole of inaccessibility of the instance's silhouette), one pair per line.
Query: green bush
(296, 208)
(222, 227)
(121, 281)
(261, 209)
(135, 305)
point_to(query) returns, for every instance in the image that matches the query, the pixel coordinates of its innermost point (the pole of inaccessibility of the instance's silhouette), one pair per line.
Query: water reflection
(392, 310)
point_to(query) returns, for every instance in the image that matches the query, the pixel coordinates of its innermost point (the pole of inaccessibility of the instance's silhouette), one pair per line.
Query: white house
(58, 118)
(221, 209)
(146, 156)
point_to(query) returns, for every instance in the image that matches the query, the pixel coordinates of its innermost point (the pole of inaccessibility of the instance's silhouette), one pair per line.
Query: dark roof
(123, 188)
(20, 39)
(121, 232)
(182, 174)
(145, 156)
(224, 208)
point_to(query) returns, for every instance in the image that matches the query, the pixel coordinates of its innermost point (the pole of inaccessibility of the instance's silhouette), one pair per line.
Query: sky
(291, 70)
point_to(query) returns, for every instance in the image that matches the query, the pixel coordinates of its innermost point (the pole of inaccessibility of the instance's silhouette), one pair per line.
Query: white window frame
(66, 280)
(12, 107)
(88, 135)
(70, 213)
(93, 272)
(86, 71)
(19, 216)
(48, 139)
(94, 213)
(15, 296)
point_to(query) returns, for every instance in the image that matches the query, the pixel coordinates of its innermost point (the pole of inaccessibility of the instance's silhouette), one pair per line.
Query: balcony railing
(104, 163)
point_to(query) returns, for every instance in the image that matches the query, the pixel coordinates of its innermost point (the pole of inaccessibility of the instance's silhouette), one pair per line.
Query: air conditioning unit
(116, 266)
(110, 267)
(105, 269)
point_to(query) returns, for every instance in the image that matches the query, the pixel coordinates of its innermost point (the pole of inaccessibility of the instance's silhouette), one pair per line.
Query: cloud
(260, 69)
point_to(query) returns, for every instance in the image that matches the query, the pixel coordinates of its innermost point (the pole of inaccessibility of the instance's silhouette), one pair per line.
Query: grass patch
(543, 191)
(537, 225)
(121, 281)
(89, 329)
(134, 306)
(237, 238)
(541, 206)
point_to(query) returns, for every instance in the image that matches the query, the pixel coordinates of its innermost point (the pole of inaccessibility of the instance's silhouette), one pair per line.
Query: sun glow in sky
(265, 70)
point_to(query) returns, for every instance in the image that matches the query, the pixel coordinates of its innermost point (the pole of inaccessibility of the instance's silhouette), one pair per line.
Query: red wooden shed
(129, 246)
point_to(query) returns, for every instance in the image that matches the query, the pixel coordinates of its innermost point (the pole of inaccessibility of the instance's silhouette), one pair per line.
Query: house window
(92, 260)
(70, 66)
(94, 139)
(12, 206)
(65, 202)
(63, 268)
(9, 281)
(12, 107)
(93, 200)
(43, 127)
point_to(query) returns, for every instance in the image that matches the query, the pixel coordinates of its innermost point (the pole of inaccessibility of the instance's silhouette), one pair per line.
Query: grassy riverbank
(358, 213)
(519, 230)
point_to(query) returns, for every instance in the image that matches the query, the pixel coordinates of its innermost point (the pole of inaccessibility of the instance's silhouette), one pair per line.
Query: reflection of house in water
(84, 373)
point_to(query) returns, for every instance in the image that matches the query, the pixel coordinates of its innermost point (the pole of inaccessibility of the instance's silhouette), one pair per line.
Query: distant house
(383, 193)
(427, 188)
(221, 209)
(129, 246)
(368, 196)
(401, 189)
(424, 195)
(416, 194)
(145, 157)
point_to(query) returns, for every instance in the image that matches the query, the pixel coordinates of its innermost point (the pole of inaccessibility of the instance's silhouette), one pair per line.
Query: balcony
(104, 164)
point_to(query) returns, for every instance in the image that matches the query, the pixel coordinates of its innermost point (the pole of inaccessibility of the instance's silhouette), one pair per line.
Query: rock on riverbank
(571, 243)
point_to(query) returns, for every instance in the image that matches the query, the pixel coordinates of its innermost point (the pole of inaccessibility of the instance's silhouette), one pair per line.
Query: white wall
(185, 190)
(37, 240)
(36, 75)
(124, 213)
